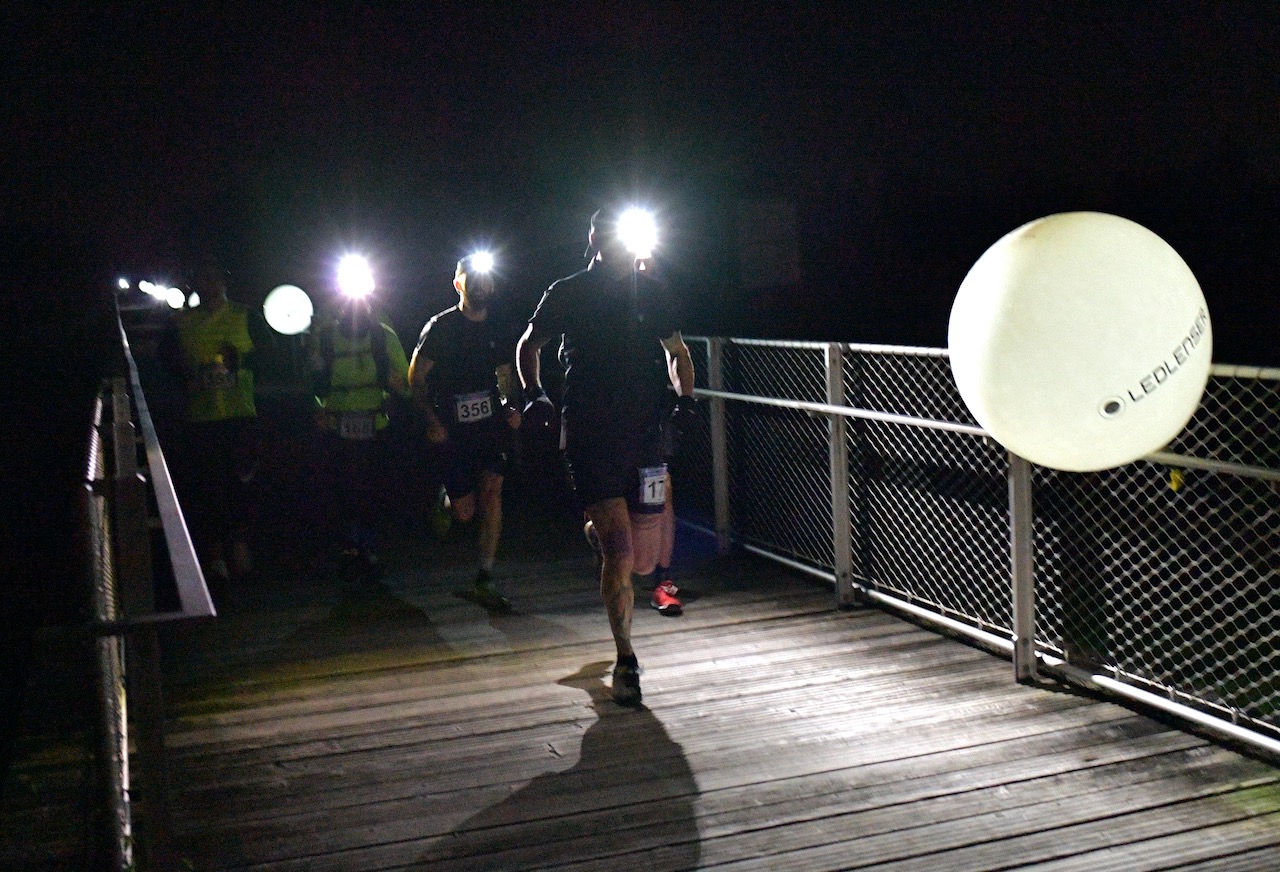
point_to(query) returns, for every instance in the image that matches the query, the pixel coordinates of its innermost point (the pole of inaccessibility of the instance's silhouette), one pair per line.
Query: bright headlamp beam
(638, 232)
(355, 277)
(482, 261)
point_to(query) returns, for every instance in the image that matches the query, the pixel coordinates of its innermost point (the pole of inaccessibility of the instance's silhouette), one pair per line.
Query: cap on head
(478, 262)
(474, 278)
(632, 228)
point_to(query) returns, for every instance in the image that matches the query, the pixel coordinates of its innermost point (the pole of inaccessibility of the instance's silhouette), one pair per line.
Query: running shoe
(626, 684)
(664, 599)
(488, 596)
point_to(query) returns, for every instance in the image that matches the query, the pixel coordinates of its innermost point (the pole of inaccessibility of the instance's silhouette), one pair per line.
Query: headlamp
(355, 277)
(638, 232)
(481, 261)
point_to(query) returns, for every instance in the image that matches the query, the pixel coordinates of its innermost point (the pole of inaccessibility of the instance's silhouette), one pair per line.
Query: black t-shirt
(613, 329)
(464, 354)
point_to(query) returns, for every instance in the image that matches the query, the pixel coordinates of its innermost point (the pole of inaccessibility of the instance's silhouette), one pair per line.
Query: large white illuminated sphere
(288, 310)
(1081, 341)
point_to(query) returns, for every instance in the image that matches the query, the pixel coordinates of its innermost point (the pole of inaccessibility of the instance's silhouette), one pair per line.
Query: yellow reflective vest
(218, 388)
(354, 384)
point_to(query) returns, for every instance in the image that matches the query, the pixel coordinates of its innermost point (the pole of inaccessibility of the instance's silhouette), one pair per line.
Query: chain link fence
(1161, 575)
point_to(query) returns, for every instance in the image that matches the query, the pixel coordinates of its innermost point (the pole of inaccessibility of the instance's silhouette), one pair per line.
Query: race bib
(216, 377)
(356, 425)
(470, 408)
(653, 485)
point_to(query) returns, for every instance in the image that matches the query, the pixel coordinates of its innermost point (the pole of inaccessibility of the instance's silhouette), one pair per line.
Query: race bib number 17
(653, 485)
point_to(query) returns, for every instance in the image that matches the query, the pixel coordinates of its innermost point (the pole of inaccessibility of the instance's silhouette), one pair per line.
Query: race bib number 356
(470, 408)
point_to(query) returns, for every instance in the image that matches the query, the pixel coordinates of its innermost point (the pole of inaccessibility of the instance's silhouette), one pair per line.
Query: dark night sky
(907, 138)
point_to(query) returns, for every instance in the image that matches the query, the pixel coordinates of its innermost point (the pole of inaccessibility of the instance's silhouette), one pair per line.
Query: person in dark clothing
(619, 323)
(461, 381)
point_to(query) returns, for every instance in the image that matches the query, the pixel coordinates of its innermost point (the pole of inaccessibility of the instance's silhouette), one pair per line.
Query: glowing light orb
(1081, 341)
(482, 262)
(288, 310)
(355, 277)
(122, 284)
(175, 297)
(193, 300)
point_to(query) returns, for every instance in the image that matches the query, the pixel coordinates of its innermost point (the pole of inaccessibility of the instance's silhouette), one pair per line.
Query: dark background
(873, 150)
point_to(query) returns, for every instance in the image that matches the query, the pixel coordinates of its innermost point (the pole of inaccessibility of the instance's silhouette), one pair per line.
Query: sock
(483, 577)
(661, 574)
(629, 660)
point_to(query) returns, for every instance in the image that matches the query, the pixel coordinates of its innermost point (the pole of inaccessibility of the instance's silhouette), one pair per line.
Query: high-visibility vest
(217, 389)
(355, 381)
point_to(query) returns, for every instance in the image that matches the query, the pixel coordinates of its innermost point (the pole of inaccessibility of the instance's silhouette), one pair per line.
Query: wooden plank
(1250, 845)
(1019, 836)
(274, 667)
(511, 767)
(509, 672)
(867, 731)
(496, 710)
(1090, 742)
(625, 843)
(779, 734)
(726, 811)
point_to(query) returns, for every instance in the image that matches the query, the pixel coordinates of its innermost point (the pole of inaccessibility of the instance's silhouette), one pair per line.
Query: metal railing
(131, 500)
(861, 464)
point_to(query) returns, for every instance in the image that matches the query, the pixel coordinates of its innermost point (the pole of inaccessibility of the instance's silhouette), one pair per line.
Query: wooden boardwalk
(322, 725)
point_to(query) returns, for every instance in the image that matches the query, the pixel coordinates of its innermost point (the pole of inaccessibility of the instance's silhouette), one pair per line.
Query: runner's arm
(679, 364)
(528, 363)
(419, 368)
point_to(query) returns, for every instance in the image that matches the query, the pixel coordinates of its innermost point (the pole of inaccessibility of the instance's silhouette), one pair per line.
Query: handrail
(132, 746)
(845, 411)
(193, 592)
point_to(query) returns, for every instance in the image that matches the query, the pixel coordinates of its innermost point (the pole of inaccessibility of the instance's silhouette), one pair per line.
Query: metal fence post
(719, 444)
(1023, 569)
(838, 452)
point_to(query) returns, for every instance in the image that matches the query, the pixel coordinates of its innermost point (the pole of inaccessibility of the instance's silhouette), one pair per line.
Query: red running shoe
(665, 601)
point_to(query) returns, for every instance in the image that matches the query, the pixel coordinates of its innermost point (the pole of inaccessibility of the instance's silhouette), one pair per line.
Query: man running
(461, 378)
(618, 321)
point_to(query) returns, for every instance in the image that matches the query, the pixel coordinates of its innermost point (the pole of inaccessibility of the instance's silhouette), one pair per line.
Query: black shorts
(486, 446)
(607, 462)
